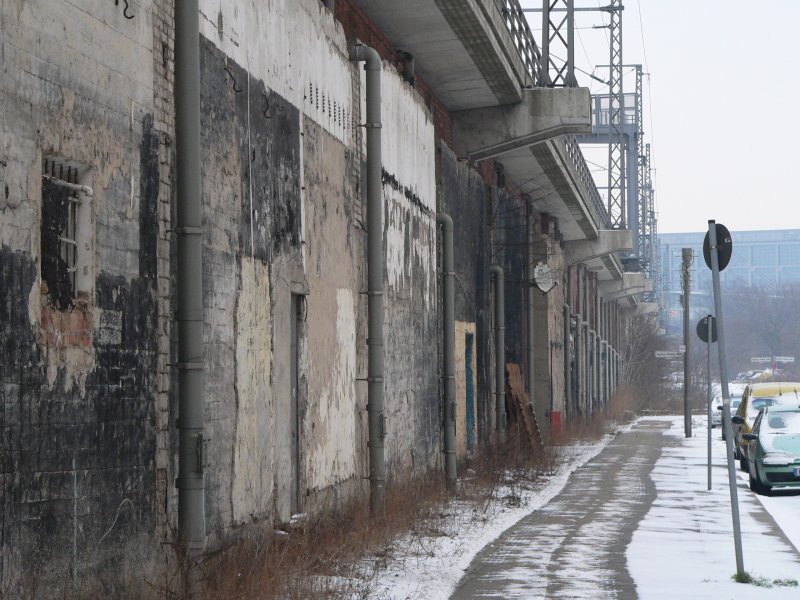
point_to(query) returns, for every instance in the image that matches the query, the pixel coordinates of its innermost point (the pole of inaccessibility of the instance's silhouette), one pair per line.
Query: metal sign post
(707, 332)
(719, 253)
(708, 399)
(687, 258)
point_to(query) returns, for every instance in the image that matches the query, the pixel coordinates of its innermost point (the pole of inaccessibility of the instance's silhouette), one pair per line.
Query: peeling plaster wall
(334, 427)
(293, 45)
(308, 236)
(465, 197)
(77, 384)
(284, 202)
(549, 387)
(336, 413)
(411, 320)
(253, 448)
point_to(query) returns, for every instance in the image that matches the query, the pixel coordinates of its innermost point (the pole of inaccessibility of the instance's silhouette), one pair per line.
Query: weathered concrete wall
(509, 247)
(285, 217)
(87, 391)
(78, 372)
(465, 196)
(335, 423)
(410, 316)
(549, 386)
(466, 427)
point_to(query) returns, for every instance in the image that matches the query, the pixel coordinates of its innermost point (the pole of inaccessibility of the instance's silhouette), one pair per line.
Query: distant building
(759, 259)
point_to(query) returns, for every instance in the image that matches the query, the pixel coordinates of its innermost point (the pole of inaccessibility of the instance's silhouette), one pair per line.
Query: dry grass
(338, 553)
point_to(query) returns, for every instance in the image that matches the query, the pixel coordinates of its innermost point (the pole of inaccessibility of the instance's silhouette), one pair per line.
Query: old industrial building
(323, 270)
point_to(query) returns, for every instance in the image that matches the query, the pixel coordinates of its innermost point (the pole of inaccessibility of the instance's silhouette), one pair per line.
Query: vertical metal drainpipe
(567, 369)
(598, 316)
(593, 375)
(375, 412)
(189, 272)
(531, 370)
(586, 367)
(500, 351)
(568, 408)
(448, 337)
(579, 360)
(604, 373)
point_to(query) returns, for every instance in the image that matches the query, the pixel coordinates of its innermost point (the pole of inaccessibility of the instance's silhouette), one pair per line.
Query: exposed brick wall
(77, 376)
(164, 117)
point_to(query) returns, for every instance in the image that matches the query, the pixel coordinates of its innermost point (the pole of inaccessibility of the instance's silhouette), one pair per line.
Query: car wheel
(757, 486)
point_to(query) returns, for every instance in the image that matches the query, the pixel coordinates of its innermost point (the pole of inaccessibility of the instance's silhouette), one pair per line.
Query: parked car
(756, 397)
(735, 389)
(716, 411)
(772, 456)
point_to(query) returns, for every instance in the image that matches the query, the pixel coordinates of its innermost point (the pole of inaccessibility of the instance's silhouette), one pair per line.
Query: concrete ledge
(543, 114)
(647, 308)
(630, 285)
(607, 242)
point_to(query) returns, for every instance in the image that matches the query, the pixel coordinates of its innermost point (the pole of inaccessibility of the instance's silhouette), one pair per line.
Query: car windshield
(735, 402)
(759, 403)
(783, 422)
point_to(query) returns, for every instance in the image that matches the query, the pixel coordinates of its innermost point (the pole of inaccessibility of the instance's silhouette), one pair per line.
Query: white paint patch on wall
(295, 47)
(253, 449)
(334, 460)
(400, 217)
(408, 151)
(408, 144)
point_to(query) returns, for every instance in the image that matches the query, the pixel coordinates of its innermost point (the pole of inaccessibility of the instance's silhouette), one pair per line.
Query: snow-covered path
(684, 547)
(681, 546)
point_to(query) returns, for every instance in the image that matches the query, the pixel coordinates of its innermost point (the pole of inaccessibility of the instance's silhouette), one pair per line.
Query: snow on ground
(682, 549)
(434, 566)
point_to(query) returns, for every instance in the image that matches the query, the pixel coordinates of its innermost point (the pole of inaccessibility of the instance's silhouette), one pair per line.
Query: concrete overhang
(462, 48)
(647, 308)
(530, 142)
(543, 114)
(630, 285)
(599, 254)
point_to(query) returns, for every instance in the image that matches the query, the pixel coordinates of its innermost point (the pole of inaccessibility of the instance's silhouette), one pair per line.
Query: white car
(716, 411)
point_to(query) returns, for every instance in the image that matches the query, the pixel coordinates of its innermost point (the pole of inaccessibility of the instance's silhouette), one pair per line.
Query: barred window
(65, 232)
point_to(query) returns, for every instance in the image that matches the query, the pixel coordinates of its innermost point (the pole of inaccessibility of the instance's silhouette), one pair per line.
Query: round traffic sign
(703, 327)
(724, 247)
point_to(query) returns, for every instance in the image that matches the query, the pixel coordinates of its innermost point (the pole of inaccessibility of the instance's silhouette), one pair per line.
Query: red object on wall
(555, 421)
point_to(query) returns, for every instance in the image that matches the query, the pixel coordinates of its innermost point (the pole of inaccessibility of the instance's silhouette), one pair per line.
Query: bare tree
(761, 321)
(641, 370)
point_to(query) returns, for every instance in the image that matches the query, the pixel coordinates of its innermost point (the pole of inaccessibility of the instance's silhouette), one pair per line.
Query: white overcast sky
(721, 108)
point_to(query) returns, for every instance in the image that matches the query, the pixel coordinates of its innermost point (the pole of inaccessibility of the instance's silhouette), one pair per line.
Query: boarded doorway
(469, 351)
(296, 320)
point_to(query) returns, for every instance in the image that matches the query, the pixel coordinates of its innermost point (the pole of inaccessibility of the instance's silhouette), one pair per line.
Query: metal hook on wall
(236, 88)
(125, 9)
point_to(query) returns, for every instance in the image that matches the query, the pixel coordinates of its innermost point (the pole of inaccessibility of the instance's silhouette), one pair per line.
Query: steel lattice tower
(558, 31)
(616, 148)
(639, 210)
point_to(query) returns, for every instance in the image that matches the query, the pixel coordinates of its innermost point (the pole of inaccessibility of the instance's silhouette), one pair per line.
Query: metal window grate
(65, 175)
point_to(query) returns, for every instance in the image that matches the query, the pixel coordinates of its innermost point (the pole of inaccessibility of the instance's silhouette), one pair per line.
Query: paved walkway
(574, 547)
